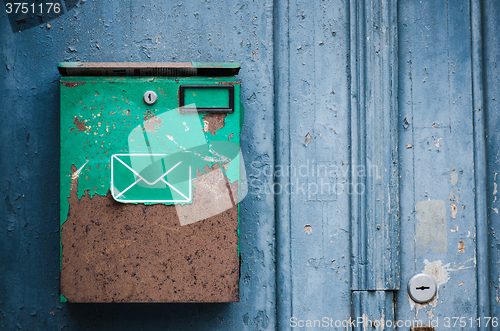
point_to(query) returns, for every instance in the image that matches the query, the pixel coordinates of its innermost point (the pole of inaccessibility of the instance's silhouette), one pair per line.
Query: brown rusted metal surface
(229, 83)
(114, 252)
(422, 328)
(214, 122)
(80, 125)
(73, 84)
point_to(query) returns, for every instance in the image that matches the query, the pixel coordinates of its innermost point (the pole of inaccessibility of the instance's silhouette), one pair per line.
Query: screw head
(150, 97)
(422, 288)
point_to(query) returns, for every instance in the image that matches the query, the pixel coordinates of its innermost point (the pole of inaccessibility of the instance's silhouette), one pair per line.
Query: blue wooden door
(371, 142)
(445, 173)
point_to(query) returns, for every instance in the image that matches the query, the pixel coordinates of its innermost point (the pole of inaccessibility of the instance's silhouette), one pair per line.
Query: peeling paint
(497, 297)
(453, 203)
(308, 229)
(454, 177)
(453, 210)
(72, 84)
(76, 174)
(495, 188)
(80, 125)
(461, 247)
(213, 122)
(308, 139)
(437, 142)
(441, 273)
(117, 124)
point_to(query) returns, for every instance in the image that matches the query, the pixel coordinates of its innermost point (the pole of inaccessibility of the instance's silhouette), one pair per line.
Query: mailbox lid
(169, 69)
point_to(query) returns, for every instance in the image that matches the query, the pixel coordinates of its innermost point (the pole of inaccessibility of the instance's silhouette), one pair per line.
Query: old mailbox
(151, 177)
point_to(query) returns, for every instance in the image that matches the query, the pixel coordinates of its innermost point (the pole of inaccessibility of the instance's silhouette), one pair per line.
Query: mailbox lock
(150, 97)
(422, 288)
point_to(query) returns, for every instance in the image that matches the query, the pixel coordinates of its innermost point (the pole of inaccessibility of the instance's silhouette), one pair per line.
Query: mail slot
(206, 98)
(151, 177)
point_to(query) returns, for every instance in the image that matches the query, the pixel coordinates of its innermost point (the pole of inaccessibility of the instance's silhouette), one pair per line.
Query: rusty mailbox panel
(151, 177)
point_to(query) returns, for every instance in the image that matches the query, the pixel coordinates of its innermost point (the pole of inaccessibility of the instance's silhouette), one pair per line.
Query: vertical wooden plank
(319, 156)
(282, 116)
(407, 17)
(373, 310)
(374, 153)
(480, 165)
(491, 72)
(438, 156)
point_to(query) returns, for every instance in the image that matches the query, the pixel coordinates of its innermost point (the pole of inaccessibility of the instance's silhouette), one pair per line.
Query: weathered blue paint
(437, 149)
(317, 122)
(491, 80)
(373, 310)
(374, 152)
(281, 58)
(374, 211)
(480, 165)
(216, 31)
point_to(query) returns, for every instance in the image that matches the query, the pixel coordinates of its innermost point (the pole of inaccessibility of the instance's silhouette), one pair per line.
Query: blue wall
(99, 31)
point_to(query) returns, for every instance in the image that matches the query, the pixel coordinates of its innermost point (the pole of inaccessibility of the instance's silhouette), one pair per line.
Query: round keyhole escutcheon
(150, 97)
(422, 288)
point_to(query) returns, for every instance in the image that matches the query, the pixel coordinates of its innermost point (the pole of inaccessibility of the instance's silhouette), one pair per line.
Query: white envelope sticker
(144, 178)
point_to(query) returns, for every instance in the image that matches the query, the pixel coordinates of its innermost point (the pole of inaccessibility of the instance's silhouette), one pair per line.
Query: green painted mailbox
(151, 177)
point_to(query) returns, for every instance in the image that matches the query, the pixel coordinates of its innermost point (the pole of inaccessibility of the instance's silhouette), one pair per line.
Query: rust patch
(422, 328)
(453, 210)
(73, 84)
(114, 252)
(461, 247)
(80, 125)
(230, 83)
(214, 122)
(230, 136)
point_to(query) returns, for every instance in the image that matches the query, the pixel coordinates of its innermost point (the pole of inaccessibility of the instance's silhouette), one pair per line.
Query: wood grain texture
(491, 76)
(437, 157)
(318, 158)
(374, 146)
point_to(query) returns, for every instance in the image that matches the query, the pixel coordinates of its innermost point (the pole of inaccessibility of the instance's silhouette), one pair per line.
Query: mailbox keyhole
(150, 97)
(423, 288)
